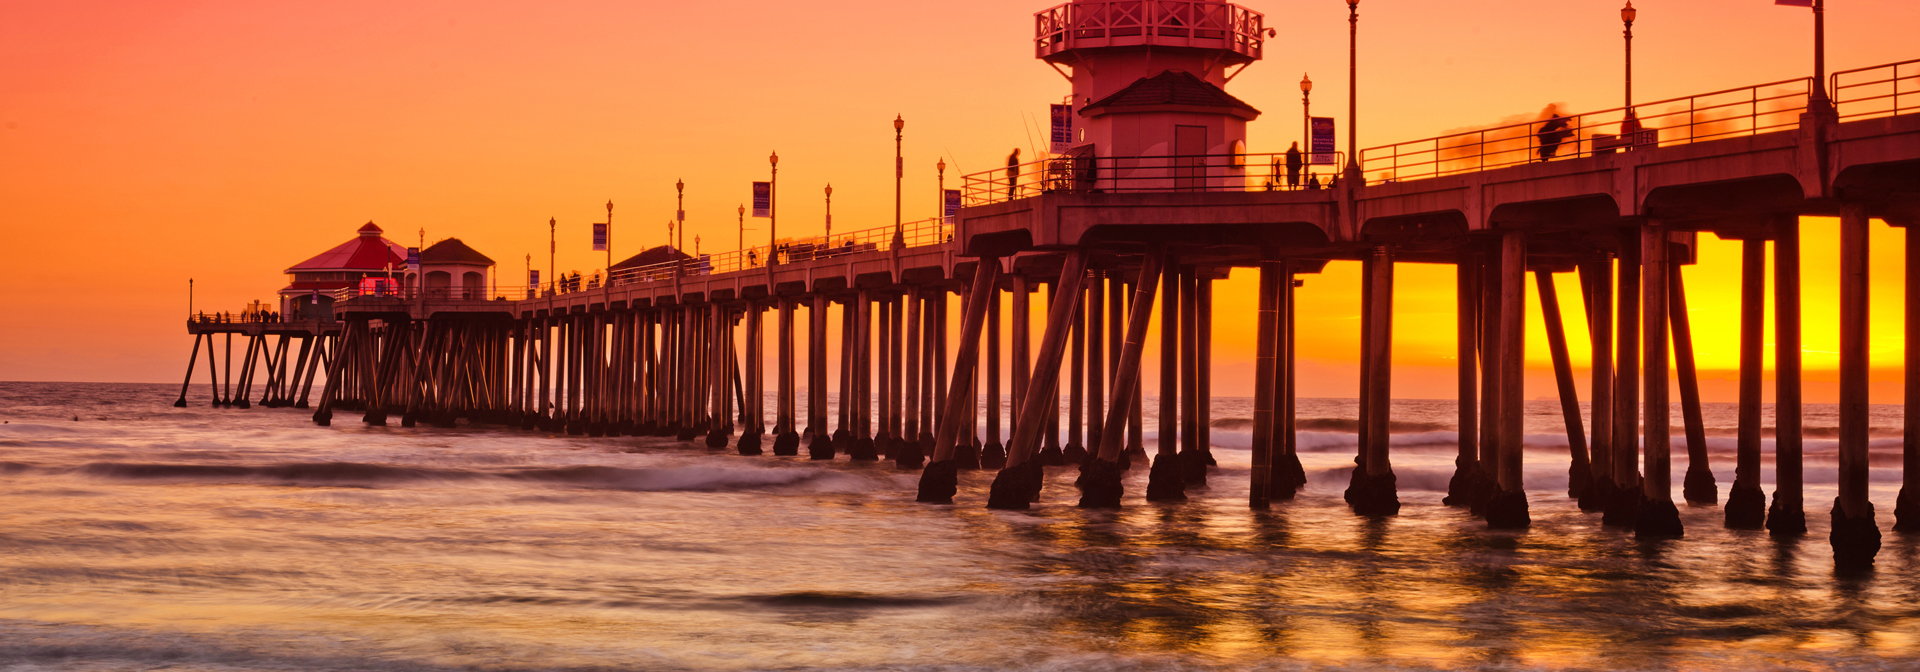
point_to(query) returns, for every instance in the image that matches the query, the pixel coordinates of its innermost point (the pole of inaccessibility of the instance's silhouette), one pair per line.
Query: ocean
(136, 536)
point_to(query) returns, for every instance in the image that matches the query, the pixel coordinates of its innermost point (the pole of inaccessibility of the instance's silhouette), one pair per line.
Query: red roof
(367, 252)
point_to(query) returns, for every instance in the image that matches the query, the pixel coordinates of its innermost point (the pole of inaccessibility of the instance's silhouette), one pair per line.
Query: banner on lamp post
(1323, 142)
(949, 206)
(413, 260)
(763, 199)
(599, 236)
(533, 279)
(1062, 128)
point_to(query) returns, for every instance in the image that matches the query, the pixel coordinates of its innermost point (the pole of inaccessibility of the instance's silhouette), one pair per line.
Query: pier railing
(431, 293)
(914, 234)
(1123, 174)
(1175, 23)
(1877, 91)
(1751, 110)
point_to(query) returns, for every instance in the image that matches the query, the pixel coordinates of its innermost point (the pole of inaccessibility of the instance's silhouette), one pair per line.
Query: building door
(1189, 162)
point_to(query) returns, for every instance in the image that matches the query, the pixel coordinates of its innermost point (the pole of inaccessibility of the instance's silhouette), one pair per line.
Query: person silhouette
(1294, 163)
(1013, 172)
(1552, 134)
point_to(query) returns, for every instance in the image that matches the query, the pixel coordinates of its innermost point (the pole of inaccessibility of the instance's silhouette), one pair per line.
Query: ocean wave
(1336, 425)
(635, 479)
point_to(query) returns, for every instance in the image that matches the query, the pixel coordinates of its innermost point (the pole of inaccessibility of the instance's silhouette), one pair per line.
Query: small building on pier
(311, 283)
(454, 270)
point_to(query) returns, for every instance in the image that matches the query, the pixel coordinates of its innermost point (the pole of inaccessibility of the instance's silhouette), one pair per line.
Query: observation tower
(1149, 76)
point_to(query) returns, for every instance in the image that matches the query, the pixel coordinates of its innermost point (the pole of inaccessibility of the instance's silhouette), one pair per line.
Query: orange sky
(145, 143)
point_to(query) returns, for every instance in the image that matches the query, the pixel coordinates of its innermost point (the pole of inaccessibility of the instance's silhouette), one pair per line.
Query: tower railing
(1877, 91)
(1168, 23)
(1083, 174)
(1745, 111)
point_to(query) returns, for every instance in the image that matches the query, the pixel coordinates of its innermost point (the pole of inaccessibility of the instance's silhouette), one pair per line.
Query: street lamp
(940, 200)
(1306, 122)
(680, 210)
(1353, 91)
(1630, 124)
(899, 172)
(773, 210)
(609, 242)
(742, 244)
(829, 217)
(552, 246)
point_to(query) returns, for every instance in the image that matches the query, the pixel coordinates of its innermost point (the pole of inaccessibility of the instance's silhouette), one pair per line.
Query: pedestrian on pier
(1294, 163)
(1552, 134)
(1013, 172)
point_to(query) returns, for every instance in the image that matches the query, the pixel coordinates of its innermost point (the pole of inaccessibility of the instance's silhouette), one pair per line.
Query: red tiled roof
(367, 252)
(1171, 91)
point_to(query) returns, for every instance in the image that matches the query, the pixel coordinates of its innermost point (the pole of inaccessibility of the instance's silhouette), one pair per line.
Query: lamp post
(1630, 124)
(609, 242)
(530, 286)
(742, 244)
(940, 194)
(1820, 103)
(1306, 123)
(829, 216)
(552, 247)
(773, 209)
(899, 173)
(680, 210)
(1353, 91)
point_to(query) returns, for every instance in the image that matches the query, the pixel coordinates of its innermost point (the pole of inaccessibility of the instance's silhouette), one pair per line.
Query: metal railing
(1175, 23)
(242, 317)
(1748, 110)
(915, 234)
(430, 293)
(1123, 174)
(1877, 91)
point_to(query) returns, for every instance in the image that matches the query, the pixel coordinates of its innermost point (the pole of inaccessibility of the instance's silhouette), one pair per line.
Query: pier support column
(882, 374)
(1289, 477)
(1050, 453)
(896, 358)
(755, 402)
(786, 439)
(1100, 485)
(843, 420)
(863, 377)
(1507, 509)
(1075, 452)
(1855, 537)
(1193, 464)
(819, 436)
(1658, 516)
(1167, 482)
(1906, 511)
(1018, 485)
(1094, 332)
(993, 455)
(193, 355)
(908, 453)
(1623, 503)
(1019, 354)
(938, 481)
(1746, 502)
(1579, 474)
(1467, 355)
(1596, 275)
(1698, 487)
(1787, 517)
(1265, 384)
(1372, 491)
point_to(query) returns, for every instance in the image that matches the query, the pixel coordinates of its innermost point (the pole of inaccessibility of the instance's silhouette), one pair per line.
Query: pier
(1143, 216)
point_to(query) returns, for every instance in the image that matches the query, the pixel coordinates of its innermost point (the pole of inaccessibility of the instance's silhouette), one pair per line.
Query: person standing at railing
(1552, 134)
(1013, 172)
(1295, 162)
